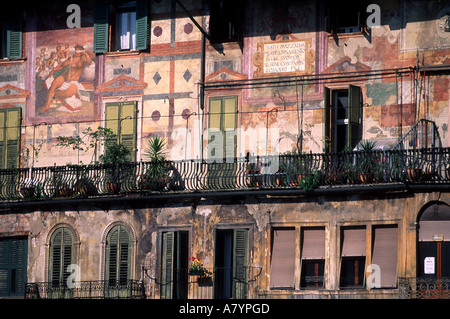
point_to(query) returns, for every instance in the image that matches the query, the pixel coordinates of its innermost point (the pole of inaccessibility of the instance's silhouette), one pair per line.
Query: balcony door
(231, 264)
(222, 142)
(434, 248)
(174, 265)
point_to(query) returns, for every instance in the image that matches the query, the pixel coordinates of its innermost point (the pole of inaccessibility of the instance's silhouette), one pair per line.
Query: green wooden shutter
(354, 113)
(101, 26)
(4, 268)
(327, 120)
(229, 126)
(168, 242)
(141, 24)
(14, 35)
(118, 256)
(122, 120)
(112, 121)
(127, 128)
(10, 120)
(13, 120)
(13, 262)
(61, 256)
(215, 110)
(240, 263)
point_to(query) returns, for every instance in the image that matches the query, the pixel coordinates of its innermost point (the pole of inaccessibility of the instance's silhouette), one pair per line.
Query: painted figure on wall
(64, 80)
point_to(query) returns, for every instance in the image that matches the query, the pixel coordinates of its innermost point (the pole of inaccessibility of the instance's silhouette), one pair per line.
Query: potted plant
(413, 169)
(196, 268)
(367, 162)
(156, 175)
(114, 157)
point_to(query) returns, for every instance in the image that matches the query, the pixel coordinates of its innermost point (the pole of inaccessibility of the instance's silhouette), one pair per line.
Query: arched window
(62, 254)
(434, 241)
(118, 256)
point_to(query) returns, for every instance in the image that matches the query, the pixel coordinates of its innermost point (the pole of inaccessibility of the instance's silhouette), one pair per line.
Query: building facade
(225, 149)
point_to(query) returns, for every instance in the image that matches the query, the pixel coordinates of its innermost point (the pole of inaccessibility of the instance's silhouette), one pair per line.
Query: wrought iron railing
(424, 288)
(217, 283)
(100, 289)
(306, 171)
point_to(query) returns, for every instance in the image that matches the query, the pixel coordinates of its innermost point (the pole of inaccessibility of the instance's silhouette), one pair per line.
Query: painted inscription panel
(284, 57)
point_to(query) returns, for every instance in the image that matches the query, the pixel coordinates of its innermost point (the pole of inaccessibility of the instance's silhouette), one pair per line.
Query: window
(222, 142)
(313, 257)
(118, 261)
(282, 263)
(226, 21)
(231, 264)
(384, 254)
(61, 256)
(11, 35)
(121, 119)
(353, 257)
(13, 266)
(342, 118)
(128, 22)
(434, 241)
(174, 265)
(10, 121)
(346, 19)
(126, 26)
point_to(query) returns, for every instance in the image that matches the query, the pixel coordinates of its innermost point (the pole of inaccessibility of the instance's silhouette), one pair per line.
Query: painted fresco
(65, 74)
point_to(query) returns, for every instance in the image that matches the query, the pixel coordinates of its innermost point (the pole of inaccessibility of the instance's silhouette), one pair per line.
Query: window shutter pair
(354, 114)
(102, 23)
(13, 34)
(61, 256)
(13, 262)
(174, 263)
(10, 120)
(118, 256)
(121, 119)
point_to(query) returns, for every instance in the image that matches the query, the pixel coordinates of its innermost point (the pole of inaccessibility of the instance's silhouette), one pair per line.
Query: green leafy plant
(156, 175)
(94, 138)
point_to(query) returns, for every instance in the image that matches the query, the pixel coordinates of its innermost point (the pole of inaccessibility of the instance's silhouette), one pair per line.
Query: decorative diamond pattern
(156, 77)
(187, 76)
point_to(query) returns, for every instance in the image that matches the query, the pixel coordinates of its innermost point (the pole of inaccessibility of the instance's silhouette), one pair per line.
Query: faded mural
(65, 74)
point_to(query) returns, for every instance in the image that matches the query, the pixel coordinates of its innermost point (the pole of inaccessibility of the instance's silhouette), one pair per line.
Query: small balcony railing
(424, 288)
(306, 171)
(101, 289)
(217, 283)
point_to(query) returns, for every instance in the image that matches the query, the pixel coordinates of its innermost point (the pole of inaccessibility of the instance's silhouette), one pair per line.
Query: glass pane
(124, 32)
(132, 21)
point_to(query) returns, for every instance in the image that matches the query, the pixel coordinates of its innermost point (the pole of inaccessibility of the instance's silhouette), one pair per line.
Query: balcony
(424, 288)
(217, 283)
(131, 289)
(303, 173)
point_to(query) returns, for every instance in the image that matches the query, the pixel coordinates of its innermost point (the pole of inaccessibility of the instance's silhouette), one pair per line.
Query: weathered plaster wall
(202, 217)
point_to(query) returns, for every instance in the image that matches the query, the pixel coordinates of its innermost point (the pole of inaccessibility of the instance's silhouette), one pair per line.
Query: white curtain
(127, 30)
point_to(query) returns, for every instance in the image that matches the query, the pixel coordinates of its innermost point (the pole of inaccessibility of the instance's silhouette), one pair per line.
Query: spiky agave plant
(156, 172)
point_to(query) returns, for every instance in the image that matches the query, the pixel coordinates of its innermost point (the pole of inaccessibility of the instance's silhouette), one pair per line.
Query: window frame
(172, 247)
(116, 124)
(319, 264)
(335, 27)
(10, 137)
(276, 268)
(119, 281)
(231, 16)
(354, 259)
(353, 122)
(8, 265)
(106, 26)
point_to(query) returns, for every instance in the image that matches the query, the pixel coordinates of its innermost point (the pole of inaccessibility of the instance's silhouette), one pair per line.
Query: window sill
(123, 53)
(8, 61)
